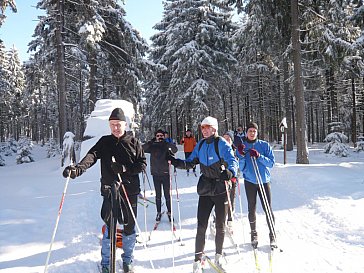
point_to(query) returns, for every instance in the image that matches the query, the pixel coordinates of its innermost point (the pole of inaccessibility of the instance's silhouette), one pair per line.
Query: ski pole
(264, 197)
(150, 187)
(172, 218)
(145, 208)
(229, 204)
(179, 210)
(113, 224)
(57, 220)
(241, 211)
(131, 210)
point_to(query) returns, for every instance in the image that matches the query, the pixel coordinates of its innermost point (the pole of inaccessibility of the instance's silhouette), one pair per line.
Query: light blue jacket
(265, 161)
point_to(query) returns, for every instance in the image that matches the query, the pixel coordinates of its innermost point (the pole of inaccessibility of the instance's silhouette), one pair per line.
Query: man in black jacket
(130, 161)
(159, 149)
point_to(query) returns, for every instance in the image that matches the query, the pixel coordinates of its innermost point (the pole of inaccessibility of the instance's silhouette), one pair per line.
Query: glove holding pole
(225, 174)
(72, 171)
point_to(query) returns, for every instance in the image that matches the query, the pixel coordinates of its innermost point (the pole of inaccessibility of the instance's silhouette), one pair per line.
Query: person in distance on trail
(159, 149)
(130, 161)
(189, 142)
(239, 136)
(217, 164)
(253, 147)
(229, 137)
(167, 138)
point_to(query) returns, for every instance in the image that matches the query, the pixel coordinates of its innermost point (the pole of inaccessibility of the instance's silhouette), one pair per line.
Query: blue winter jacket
(208, 159)
(265, 161)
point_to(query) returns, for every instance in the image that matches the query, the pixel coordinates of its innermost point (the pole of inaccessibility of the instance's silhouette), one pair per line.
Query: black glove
(170, 157)
(71, 171)
(118, 168)
(226, 175)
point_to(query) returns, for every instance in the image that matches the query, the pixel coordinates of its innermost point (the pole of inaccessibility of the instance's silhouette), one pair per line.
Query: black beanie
(159, 131)
(252, 125)
(117, 114)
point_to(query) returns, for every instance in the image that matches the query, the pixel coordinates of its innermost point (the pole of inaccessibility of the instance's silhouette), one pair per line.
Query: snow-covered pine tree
(4, 92)
(16, 88)
(359, 144)
(24, 154)
(52, 148)
(3, 5)
(194, 52)
(103, 55)
(336, 141)
(2, 161)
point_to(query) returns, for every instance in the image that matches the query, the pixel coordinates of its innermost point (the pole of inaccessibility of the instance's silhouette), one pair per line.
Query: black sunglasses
(159, 135)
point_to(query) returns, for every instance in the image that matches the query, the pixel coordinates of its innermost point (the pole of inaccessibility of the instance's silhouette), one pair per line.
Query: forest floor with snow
(318, 210)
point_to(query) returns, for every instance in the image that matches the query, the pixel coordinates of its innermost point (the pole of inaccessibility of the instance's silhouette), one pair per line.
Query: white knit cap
(210, 121)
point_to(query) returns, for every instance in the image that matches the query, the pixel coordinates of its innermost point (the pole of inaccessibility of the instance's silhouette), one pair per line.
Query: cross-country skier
(189, 142)
(229, 137)
(239, 136)
(158, 149)
(211, 153)
(263, 154)
(130, 161)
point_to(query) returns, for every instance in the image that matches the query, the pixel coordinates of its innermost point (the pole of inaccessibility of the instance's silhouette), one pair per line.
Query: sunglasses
(159, 135)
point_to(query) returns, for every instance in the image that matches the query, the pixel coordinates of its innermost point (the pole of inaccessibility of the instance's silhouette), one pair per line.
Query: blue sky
(19, 27)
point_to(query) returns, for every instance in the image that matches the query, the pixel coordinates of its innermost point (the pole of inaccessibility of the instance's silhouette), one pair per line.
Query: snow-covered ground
(318, 209)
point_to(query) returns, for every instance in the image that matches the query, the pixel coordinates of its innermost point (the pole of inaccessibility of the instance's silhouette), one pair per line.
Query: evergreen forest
(238, 61)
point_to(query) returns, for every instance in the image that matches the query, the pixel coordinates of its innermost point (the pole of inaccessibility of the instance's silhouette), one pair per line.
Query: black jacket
(158, 153)
(127, 151)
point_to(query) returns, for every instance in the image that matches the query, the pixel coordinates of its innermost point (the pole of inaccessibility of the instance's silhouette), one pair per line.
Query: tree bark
(61, 76)
(353, 122)
(302, 151)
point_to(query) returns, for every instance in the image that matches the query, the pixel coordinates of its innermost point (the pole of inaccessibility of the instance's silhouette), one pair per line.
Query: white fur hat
(210, 121)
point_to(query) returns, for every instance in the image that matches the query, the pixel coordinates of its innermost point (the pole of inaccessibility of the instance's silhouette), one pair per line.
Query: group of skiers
(220, 161)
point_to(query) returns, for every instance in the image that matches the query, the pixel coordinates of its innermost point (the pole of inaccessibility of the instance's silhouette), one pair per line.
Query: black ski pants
(205, 206)
(130, 227)
(232, 200)
(187, 154)
(251, 191)
(159, 182)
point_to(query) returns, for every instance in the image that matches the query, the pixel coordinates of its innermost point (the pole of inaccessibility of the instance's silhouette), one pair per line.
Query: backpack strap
(216, 145)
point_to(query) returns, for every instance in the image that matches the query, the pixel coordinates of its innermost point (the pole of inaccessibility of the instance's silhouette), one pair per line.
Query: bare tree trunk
(92, 81)
(231, 108)
(61, 76)
(353, 122)
(302, 151)
(287, 106)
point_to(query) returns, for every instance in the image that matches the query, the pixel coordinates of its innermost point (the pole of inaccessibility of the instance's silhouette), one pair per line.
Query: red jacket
(188, 143)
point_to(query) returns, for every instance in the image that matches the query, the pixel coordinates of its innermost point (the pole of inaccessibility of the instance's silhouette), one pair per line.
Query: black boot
(254, 238)
(169, 217)
(158, 217)
(272, 239)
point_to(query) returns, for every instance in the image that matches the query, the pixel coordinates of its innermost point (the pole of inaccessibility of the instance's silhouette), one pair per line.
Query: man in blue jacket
(260, 150)
(217, 165)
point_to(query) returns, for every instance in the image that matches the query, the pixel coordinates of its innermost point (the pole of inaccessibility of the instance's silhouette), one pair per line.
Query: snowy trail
(318, 210)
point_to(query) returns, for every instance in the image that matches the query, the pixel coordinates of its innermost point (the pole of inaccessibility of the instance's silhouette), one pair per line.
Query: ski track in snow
(318, 211)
